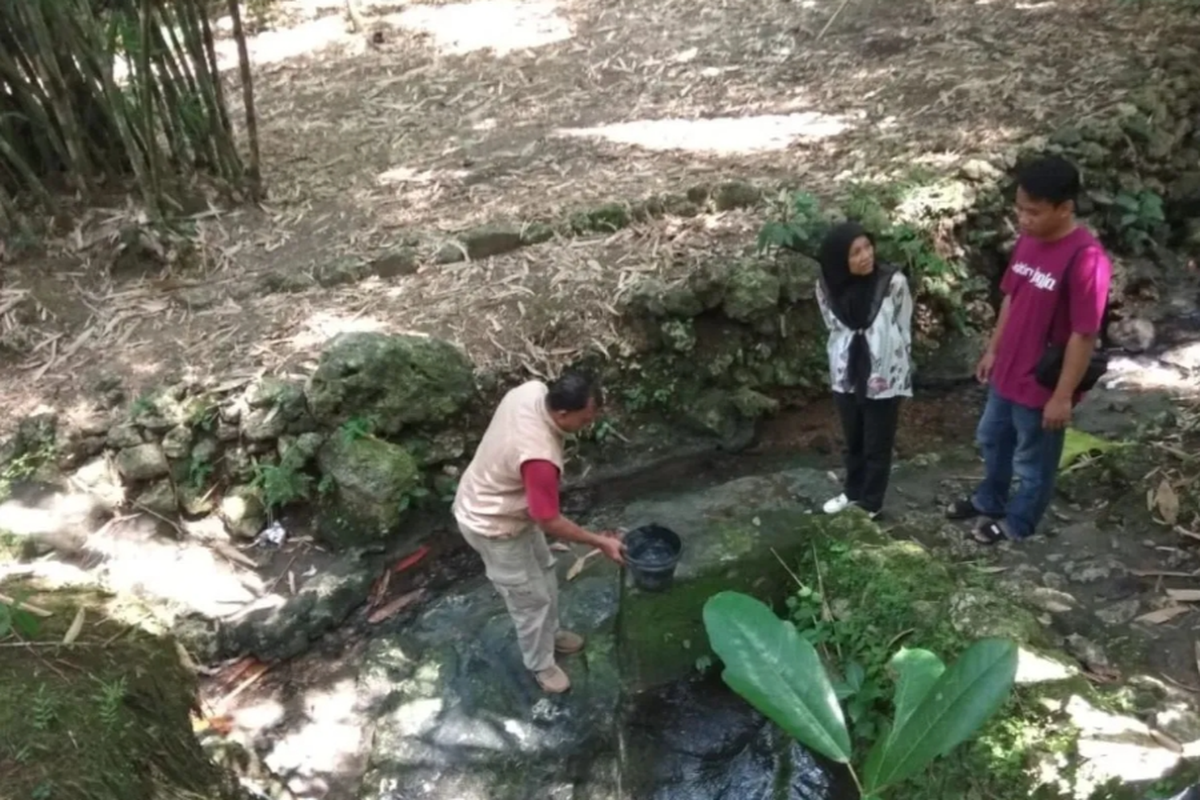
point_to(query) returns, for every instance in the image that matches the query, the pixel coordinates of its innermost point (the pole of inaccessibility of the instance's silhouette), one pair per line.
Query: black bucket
(651, 554)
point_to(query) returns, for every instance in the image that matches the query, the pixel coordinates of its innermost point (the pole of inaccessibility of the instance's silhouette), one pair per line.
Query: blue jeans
(1015, 444)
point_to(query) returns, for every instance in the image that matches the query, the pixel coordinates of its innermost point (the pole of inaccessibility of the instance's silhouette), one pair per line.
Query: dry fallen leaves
(396, 606)
(1163, 615)
(76, 627)
(1165, 501)
(580, 563)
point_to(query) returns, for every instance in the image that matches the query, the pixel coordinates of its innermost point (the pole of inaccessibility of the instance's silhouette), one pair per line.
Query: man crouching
(507, 501)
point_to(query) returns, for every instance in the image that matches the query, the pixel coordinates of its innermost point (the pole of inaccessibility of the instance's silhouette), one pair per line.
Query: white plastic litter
(273, 536)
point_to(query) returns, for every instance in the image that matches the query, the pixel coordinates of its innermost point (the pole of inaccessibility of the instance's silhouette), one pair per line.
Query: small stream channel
(692, 739)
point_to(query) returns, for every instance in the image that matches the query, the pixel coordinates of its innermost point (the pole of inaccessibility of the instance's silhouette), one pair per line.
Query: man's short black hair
(572, 391)
(1052, 179)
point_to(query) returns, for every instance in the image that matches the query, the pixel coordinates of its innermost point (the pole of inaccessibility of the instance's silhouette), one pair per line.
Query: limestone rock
(301, 450)
(263, 424)
(243, 512)
(205, 450)
(196, 501)
(286, 631)
(75, 448)
(751, 290)
(239, 463)
(1179, 722)
(159, 498)
(369, 478)
(1120, 612)
(716, 413)
(536, 233)
(483, 242)
(273, 407)
(285, 281)
(1088, 652)
(735, 194)
(798, 276)
(979, 171)
(98, 479)
(142, 463)
(978, 615)
(393, 380)
(953, 360)
(391, 265)
(441, 448)
(1052, 600)
(178, 442)
(651, 297)
(604, 219)
(1134, 334)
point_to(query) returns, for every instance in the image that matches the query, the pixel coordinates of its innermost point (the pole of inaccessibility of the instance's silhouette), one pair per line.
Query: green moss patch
(104, 718)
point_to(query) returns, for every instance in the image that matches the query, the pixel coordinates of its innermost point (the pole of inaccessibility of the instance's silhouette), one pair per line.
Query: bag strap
(1065, 292)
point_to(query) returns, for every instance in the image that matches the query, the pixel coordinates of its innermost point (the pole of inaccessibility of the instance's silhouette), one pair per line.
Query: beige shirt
(491, 495)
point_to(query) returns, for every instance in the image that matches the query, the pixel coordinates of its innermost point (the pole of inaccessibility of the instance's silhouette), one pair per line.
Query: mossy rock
(607, 218)
(105, 718)
(369, 480)
(483, 242)
(735, 194)
(752, 290)
(393, 381)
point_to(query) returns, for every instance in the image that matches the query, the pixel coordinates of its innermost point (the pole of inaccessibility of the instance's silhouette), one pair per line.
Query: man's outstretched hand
(609, 543)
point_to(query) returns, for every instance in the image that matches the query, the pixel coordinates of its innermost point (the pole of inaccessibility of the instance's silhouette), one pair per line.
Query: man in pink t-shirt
(1055, 292)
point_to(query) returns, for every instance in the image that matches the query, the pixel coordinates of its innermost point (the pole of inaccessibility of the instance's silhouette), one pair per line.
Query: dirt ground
(455, 114)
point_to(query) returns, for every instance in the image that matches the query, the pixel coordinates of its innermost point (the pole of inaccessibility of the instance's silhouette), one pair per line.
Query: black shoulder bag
(1050, 366)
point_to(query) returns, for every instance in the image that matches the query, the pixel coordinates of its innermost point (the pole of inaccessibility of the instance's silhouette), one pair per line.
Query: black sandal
(988, 534)
(961, 510)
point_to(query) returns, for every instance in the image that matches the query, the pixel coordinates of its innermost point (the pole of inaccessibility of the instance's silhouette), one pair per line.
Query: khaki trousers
(522, 570)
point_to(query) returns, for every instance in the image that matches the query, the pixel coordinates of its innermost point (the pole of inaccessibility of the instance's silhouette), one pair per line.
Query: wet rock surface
(464, 720)
(696, 740)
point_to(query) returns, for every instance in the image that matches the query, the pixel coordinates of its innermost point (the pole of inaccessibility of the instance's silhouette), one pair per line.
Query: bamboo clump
(115, 95)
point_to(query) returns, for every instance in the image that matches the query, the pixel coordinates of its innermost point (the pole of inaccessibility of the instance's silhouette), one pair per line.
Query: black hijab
(853, 299)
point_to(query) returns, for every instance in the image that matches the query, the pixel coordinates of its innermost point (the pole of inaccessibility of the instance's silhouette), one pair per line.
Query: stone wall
(366, 435)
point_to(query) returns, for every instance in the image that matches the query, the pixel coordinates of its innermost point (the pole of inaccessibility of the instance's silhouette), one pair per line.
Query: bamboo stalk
(239, 35)
(45, 62)
(210, 50)
(57, 82)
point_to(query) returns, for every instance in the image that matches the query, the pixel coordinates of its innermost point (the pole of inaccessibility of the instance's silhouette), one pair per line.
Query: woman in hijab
(867, 308)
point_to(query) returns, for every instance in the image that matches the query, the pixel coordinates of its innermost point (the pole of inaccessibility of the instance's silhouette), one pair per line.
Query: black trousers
(869, 431)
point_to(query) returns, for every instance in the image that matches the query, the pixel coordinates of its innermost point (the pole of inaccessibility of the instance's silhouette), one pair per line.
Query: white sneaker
(837, 505)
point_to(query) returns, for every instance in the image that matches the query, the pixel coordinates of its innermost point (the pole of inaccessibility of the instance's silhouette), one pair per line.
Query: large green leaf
(776, 671)
(917, 671)
(959, 702)
(1077, 443)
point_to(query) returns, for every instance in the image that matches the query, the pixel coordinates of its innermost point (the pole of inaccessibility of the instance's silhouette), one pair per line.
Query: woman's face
(862, 257)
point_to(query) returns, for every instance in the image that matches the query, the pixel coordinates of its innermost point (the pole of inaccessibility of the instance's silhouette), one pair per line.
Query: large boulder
(394, 381)
(951, 360)
(369, 480)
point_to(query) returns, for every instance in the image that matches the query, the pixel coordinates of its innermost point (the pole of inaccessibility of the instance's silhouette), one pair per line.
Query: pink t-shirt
(1037, 314)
